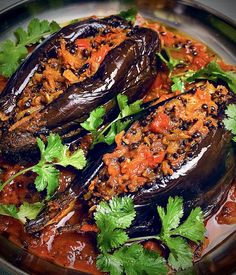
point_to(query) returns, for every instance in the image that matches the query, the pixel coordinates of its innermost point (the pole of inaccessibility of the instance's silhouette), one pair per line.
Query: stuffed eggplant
(80, 67)
(165, 153)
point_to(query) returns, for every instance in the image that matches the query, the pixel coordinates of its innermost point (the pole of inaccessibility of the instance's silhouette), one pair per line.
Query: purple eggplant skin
(129, 68)
(203, 181)
(70, 33)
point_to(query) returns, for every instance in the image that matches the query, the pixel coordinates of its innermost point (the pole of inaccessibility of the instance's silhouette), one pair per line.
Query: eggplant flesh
(202, 178)
(129, 68)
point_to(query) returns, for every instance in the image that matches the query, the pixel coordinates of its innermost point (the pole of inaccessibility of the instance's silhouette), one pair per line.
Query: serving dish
(183, 15)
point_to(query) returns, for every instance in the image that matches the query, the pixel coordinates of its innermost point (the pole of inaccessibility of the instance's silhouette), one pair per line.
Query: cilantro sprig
(13, 52)
(120, 123)
(52, 154)
(121, 255)
(230, 120)
(129, 15)
(212, 72)
(25, 212)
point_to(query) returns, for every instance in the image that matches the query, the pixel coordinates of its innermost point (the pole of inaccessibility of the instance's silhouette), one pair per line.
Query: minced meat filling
(159, 144)
(67, 63)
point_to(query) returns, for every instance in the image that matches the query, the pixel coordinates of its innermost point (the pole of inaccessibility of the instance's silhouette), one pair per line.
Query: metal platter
(208, 26)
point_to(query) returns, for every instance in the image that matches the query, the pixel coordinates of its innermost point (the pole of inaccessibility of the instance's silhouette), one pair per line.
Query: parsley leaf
(230, 121)
(132, 259)
(24, 212)
(120, 123)
(52, 154)
(12, 53)
(111, 218)
(129, 15)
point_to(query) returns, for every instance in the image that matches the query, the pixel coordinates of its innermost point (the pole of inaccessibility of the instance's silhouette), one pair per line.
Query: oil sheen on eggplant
(201, 177)
(129, 68)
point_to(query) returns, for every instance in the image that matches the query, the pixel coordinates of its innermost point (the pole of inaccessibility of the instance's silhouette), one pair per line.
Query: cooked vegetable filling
(161, 143)
(67, 63)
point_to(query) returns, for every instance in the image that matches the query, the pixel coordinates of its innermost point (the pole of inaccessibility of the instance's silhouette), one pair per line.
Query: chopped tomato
(83, 43)
(160, 124)
(99, 55)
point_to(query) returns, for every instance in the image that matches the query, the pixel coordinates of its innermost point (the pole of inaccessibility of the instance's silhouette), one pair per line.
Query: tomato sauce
(74, 247)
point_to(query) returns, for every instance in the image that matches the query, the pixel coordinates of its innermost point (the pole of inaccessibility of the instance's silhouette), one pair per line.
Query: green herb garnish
(230, 121)
(55, 153)
(129, 15)
(170, 62)
(108, 133)
(12, 53)
(119, 256)
(24, 212)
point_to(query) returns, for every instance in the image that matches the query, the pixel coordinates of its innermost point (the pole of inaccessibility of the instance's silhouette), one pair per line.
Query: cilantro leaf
(214, 72)
(36, 31)
(110, 218)
(170, 62)
(193, 227)
(29, 211)
(178, 85)
(26, 211)
(48, 178)
(53, 150)
(180, 256)
(132, 259)
(10, 57)
(129, 15)
(174, 212)
(120, 123)
(12, 53)
(54, 153)
(8, 210)
(77, 159)
(94, 120)
(230, 121)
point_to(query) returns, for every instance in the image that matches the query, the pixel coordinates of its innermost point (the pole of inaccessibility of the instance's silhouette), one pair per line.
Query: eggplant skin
(203, 180)
(130, 68)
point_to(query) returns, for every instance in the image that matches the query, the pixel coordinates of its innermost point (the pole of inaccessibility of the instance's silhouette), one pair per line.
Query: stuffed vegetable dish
(117, 145)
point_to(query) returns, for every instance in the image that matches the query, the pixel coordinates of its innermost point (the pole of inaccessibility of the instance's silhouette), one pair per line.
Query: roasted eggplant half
(77, 69)
(178, 147)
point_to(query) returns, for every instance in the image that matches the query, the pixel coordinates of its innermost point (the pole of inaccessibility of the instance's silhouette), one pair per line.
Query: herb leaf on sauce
(230, 121)
(170, 62)
(52, 154)
(132, 259)
(24, 212)
(12, 52)
(114, 217)
(129, 15)
(214, 72)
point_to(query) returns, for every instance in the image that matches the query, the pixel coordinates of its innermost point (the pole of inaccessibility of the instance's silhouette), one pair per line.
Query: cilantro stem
(143, 238)
(15, 176)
